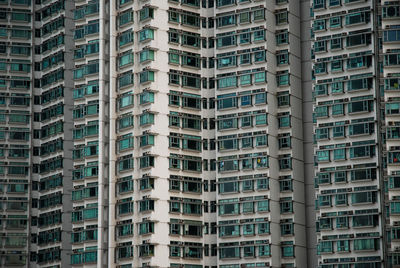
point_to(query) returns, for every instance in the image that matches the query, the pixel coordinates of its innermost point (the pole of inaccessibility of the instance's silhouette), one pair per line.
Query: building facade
(389, 80)
(182, 133)
(36, 163)
(355, 74)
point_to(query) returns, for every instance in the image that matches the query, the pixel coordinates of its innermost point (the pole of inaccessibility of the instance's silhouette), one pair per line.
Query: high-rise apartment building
(356, 83)
(390, 82)
(179, 133)
(35, 145)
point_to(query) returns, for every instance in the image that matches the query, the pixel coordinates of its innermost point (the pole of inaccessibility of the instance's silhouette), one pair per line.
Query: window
(146, 13)
(146, 34)
(226, 20)
(125, 207)
(229, 252)
(125, 79)
(319, 25)
(282, 57)
(337, 66)
(146, 76)
(259, 56)
(343, 245)
(125, 122)
(391, 36)
(146, 97)
(336, 43)
(221, 3)
(363, 174)
(286, 205)
(263, 206)
(125, 17)
(262, 184)
(244, 17)
(362, 151)
(337, 109)
(248, 207)
(226, 101)
(263, 228)
(228, 187)
(284, 120)
(228, 207)
(125, 38)
(227, 123)
(358, 17)
(259, 35)
(333, 3)
(359, 62)
(335, 22)
(146, 55)
(320, 68)
(146, 228)
(283, 98)
(229, 230)
(365, 221)
(319, 4)
(283, 78)
(359, 129)
(191, 19)
(146, 119)
(260, 98)
(287, 251)
(365, 244)
(146, 205)
(146, 183)
(261, 119)
(226, 62)
(245, 80)
(264, 250)
(324, 201)
(360, 106)
(325, 247)
(228, 144)
(146, 140)
(281, 17)
(173, 16)
(358, 40)
(125, 59)
(245, 59)
(286, 185)
(321, 111)
(259, 77)
(282, 37)
(392, 108)
(339, 154)
(224, 41)
(146, 161)
(259, 14)
(363, 197)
